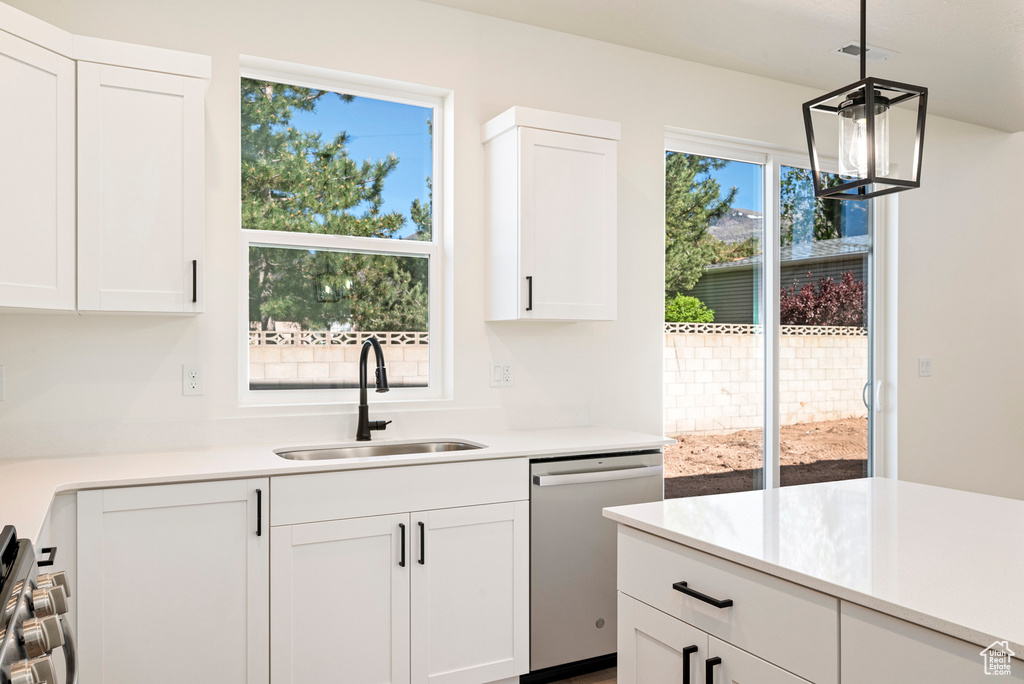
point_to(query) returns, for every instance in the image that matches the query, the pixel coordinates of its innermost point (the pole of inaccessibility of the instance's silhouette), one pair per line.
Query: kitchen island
(870, 580)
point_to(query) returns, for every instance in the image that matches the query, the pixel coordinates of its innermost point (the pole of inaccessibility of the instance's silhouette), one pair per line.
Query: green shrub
(685, 309)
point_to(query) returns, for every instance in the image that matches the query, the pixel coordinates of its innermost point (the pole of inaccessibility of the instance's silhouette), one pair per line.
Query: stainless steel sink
(370, 450)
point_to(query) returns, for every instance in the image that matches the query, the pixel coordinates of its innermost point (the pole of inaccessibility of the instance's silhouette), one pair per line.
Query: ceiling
(968, 53)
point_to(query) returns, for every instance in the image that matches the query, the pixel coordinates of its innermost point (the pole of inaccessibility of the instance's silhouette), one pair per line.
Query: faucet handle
(379, 424)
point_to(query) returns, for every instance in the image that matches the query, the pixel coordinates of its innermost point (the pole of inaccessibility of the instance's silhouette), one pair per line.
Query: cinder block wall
(714, 381)
(406, 364)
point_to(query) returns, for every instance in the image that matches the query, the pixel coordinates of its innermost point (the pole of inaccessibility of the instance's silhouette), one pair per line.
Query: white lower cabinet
(173, 583)
(881, 649)
(439, 596)
(655, 648)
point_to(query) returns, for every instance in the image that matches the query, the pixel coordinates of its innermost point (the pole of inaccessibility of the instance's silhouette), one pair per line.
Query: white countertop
(948, 560)
(27, 486)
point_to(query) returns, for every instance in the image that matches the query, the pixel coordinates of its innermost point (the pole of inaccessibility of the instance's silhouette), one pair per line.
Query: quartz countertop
(948, 560)
(27, 486)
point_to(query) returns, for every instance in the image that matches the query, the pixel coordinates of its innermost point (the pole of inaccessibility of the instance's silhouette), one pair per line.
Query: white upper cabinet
(140, 189)
(551, 181)
(37, 166)
(138, 219)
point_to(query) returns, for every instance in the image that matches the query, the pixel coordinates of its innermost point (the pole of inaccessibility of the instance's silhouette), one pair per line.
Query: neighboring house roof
(852, 246)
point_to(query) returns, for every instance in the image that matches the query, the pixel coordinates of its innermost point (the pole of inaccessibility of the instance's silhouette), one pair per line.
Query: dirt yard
(811, 452)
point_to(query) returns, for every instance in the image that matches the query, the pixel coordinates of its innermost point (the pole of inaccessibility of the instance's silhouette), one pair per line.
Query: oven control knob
(42, 635)
(54, 579)
(50, 601)
(37, 671)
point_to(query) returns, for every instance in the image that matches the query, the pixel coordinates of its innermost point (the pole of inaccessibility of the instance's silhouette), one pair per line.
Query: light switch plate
(924, 367)
(501, 374)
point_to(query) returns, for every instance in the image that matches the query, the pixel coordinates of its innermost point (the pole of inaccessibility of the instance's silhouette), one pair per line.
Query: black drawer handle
(687, 652)
(709, 669)
(51, 554)
(717, 603)
(423, 544)
(401, 563)
(195, 291)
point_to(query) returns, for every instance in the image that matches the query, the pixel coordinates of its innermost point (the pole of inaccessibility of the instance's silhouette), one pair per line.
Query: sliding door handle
(687, 652)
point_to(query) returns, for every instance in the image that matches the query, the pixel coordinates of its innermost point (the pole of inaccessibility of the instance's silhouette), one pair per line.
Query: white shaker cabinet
(173, 583)
(37, 167)
(408, 574)
(551, 184)
(881, 649)
(140, 190)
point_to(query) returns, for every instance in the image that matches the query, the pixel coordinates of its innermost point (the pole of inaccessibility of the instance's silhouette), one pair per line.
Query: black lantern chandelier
(863, 113)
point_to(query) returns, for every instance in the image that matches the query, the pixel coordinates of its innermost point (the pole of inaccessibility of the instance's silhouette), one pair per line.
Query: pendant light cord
(863, 39)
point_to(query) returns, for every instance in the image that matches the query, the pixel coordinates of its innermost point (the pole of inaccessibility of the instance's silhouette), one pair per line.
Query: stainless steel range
(34, 633)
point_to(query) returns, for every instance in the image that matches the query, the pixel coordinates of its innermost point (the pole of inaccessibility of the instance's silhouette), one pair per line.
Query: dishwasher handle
(598, 476)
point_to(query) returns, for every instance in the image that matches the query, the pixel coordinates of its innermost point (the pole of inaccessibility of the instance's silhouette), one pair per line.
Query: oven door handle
(70, 651)
(598, 476)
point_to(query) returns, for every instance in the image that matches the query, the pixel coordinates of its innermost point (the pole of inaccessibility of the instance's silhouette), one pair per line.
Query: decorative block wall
(286, 358)
(714, 376)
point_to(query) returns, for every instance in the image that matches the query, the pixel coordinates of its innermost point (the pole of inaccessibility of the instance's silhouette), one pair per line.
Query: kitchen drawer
(792, 626)
(380, 491)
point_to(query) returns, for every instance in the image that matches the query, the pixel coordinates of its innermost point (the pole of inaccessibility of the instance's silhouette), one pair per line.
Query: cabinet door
(655, 648)
(140, 190)
(567, 226)
(882, 649)
(739, 667)
(37, 177)
(173, 584)
(470, 589)
(339, 601)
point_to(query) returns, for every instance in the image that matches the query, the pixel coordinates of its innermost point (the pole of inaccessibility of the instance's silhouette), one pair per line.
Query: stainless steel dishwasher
(572, 556)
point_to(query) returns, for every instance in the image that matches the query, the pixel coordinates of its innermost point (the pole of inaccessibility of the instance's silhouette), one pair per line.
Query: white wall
(117, 386)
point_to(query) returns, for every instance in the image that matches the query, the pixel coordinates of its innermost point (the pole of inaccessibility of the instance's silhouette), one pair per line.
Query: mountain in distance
(738, 225)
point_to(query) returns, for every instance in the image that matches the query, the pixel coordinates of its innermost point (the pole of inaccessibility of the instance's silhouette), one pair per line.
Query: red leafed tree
(828, 303)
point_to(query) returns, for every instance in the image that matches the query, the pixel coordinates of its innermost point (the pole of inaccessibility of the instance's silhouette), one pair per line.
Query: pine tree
(692, 201)
(296, 181)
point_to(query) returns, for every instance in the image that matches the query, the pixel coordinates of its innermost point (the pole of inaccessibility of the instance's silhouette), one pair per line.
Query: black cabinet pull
(717, 603)
(423, 544)
(259, 512)
(709, 669)
(687, 652)
(51, 554)
(529, 293)
(401, 563)
(195, 290)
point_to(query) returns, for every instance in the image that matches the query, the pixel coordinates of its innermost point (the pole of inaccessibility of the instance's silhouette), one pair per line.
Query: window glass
(317, 161)
(337, 214)
(714, 343)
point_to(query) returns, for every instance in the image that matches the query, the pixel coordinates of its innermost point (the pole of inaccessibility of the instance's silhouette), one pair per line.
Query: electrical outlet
(192, 381)
(924, 367)
(501, 374)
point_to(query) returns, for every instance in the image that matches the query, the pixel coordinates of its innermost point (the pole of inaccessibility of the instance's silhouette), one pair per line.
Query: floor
(602, 677)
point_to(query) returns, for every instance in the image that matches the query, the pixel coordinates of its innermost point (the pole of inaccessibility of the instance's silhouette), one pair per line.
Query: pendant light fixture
(862, 109)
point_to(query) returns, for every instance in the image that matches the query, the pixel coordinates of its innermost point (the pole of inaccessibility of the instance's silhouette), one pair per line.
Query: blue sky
(377, 128)
(747, 178)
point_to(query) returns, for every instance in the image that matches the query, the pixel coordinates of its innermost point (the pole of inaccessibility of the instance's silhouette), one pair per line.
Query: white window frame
(881, 285)
(438, 250)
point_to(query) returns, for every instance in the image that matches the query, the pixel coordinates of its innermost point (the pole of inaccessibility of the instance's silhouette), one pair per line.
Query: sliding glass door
(767, 353)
